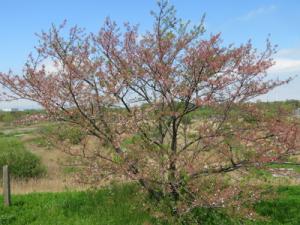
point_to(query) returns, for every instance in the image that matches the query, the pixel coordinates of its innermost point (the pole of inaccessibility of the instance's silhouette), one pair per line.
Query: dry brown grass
(58, 180)
(44, 185)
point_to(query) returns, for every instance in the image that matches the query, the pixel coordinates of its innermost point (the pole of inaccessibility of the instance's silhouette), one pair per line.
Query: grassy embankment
(121, 205)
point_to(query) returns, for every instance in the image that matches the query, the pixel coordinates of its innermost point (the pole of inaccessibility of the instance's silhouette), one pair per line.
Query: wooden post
(6, 186)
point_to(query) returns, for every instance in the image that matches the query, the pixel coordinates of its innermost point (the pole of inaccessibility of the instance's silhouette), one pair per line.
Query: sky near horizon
(237, 20)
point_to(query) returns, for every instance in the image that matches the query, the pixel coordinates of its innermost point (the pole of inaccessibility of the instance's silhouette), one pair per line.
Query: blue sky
(237, 20)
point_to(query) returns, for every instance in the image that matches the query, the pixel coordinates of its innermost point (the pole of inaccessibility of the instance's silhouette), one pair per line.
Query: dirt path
(56, 180)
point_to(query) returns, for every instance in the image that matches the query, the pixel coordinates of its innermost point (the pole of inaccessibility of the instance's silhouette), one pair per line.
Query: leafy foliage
(62, 132)
(22, 163)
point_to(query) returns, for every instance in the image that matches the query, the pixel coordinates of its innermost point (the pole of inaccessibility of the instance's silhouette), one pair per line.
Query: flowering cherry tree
(144, 98)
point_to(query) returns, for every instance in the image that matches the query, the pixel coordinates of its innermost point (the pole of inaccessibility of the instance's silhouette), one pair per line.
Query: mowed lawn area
(122, 205)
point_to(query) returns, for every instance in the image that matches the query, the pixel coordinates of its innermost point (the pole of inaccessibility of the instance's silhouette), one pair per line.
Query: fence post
(6, 186)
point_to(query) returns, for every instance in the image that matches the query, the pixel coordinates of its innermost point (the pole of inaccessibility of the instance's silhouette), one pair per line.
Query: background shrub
(63, 132)
(22, 163)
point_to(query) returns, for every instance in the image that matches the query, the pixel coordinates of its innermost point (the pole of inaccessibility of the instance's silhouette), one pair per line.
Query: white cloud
(291, 53)
(50, 66)
(19, 104)
(287, 61)
(285, 65)
(257, 12)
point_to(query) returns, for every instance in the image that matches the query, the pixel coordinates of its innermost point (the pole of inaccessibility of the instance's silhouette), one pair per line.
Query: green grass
(283, 210)
(70, 170)
(108, 206)
(121, 205)
(295, 167)
(14, 133)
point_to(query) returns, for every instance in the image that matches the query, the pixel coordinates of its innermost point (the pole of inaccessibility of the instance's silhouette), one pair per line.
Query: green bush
(6, 117)
(63, 132)
(22, 163)
(73, 134)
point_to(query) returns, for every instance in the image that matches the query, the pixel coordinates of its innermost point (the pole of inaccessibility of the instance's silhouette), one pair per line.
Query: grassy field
(121, 205)
(54, 198)
(109, 206)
